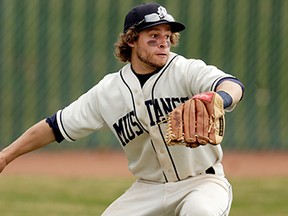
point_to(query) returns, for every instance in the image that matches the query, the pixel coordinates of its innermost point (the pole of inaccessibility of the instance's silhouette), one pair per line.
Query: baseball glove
(198, 121)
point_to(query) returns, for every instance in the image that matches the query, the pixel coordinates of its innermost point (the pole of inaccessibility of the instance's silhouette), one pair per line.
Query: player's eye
(155, 36)
(167, 37)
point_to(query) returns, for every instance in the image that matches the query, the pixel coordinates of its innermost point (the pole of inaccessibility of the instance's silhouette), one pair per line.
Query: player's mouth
(162, 55)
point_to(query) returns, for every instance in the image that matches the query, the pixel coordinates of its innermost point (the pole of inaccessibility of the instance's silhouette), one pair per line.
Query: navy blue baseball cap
(150, 14)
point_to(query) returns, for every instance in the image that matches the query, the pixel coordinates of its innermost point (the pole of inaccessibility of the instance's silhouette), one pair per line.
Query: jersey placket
(164, 158)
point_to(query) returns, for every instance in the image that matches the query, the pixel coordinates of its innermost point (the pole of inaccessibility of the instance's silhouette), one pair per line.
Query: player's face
(151, 51)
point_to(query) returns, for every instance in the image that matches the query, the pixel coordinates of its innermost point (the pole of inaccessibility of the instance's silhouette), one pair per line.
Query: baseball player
(134, 103)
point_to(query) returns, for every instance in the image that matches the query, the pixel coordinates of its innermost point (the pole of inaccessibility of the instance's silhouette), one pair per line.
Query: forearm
(233, 89)
(34, 138)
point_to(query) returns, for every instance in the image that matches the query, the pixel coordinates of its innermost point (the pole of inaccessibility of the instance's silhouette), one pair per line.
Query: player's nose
(163, 42)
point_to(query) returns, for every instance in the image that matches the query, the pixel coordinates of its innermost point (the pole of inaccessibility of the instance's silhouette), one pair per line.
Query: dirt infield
(114, 164)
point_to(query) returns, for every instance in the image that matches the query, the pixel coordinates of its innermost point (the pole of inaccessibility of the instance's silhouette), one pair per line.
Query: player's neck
(143, 69)
(143, 77)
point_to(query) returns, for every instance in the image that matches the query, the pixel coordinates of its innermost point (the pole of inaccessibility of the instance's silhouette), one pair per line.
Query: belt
(210, 170)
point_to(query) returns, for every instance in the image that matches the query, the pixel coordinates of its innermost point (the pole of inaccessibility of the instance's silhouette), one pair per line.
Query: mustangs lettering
(127, 127)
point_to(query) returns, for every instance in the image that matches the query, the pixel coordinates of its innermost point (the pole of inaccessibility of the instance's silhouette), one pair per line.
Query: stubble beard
(148, 61)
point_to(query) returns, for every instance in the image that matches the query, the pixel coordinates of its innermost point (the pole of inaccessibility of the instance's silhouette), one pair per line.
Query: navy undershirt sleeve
(54, 125)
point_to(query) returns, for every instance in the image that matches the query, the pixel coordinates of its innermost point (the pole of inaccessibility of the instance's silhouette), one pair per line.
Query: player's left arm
(231, 92)
(34, 138)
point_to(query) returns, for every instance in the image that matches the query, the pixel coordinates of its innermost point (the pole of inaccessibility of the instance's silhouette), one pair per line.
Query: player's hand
(3, 162)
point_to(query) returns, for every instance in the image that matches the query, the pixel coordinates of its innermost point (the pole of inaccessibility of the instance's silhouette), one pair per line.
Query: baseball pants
(202, 195)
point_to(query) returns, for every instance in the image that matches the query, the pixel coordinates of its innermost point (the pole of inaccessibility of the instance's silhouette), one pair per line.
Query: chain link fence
(52, 51)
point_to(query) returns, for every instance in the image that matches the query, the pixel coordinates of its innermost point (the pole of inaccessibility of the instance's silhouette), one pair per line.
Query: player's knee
(196, 210)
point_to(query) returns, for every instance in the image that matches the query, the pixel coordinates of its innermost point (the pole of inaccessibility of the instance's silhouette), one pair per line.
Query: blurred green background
(52, 51)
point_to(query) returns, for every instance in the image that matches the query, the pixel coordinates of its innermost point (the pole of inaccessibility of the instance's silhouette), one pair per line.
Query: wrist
(3, 162)
(227, 99)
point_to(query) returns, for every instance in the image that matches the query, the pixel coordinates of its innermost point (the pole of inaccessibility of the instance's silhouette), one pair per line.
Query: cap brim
(175, 26)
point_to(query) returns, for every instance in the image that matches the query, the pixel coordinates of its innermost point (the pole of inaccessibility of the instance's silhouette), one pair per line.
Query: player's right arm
(34, 138)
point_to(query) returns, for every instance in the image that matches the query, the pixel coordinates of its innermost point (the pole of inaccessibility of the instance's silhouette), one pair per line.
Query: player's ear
(131, 44)
(131, 37)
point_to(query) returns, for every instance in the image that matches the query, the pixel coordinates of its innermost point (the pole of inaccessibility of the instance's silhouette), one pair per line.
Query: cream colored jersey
(135, 116)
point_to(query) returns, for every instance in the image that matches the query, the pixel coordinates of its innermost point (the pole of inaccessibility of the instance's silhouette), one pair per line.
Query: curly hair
(122, 49)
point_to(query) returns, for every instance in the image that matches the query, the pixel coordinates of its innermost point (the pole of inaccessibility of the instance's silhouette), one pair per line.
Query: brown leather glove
(198, 121)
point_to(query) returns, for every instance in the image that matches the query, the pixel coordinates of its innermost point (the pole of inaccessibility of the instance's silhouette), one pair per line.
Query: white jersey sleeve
(81, 117)
(200, 77)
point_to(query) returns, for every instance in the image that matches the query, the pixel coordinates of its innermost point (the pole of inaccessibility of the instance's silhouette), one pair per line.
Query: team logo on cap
(162, 12)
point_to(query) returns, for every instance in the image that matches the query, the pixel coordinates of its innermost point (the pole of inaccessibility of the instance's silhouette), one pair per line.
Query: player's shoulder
(184, 60)
(110, 77)
(110, 80)
(186, 64)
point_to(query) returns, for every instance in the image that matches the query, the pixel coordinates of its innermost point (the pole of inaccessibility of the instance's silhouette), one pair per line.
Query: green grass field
(52, 196)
